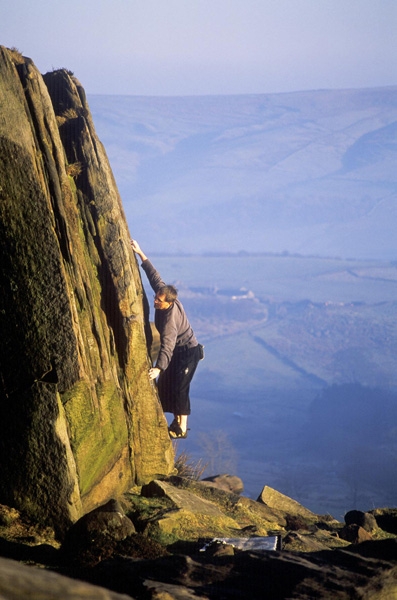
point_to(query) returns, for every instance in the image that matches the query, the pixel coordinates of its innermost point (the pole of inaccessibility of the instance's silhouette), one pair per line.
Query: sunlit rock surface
(80, 422)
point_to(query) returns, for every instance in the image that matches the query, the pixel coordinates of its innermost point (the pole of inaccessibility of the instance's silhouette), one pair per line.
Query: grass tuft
(70, 113)
(74, 169)
(16, 56)
(188, 467)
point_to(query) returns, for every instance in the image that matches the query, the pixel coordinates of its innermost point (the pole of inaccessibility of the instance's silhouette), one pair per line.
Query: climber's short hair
(170, 292)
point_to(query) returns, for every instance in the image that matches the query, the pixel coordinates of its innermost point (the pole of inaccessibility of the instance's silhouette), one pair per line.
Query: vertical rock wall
(80, 422)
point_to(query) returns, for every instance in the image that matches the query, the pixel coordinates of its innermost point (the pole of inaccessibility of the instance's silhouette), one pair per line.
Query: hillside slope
(310, 172)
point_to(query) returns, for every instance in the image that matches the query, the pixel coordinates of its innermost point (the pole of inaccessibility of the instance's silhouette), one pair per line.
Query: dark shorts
(174, 382)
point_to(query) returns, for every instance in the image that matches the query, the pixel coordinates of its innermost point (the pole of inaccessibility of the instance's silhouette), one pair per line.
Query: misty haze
(310, 173)
(275, 216)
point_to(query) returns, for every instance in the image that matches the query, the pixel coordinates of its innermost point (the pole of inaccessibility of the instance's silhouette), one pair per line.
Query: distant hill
(309, 172)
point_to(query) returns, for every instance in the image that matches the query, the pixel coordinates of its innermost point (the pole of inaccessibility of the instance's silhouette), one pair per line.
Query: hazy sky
(179, 47)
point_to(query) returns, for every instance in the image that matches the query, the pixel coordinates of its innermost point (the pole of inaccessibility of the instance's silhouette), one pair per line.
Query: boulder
(228, 483)
(278, 501)
(101, 535)
(29, 583)
(191, 518)
(180, 498)
(247, 512)
(364, 519)
(274, 518)
(355, 534)
(102, 526)
(76, 404)
(386, 519)
(304, 541)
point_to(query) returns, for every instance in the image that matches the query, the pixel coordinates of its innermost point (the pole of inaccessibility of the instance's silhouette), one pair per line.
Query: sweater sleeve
(153, 276)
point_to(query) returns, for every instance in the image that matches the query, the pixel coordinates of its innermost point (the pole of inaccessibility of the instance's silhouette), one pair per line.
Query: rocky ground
(157, 542)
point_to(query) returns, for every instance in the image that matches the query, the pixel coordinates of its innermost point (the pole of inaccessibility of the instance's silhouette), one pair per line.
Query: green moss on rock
(98, 432)
(184, 525)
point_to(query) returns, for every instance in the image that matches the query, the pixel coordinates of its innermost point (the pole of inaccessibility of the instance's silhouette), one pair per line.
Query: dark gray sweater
(172, 324)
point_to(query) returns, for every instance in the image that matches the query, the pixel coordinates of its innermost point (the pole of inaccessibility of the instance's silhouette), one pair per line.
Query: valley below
(252, 205)
(298, 387)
